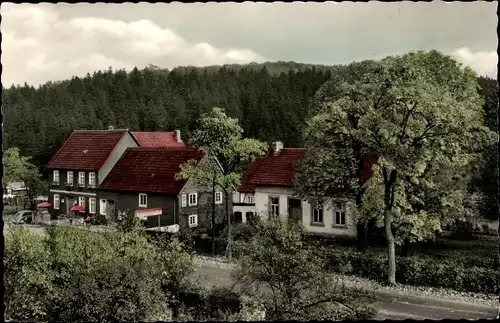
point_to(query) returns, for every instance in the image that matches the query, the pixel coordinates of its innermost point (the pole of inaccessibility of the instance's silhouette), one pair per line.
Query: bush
(419, 271)
(280, 252)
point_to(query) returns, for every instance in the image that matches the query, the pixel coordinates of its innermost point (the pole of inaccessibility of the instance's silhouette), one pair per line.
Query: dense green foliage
(290, 277)
(418, 271)
(76, 275)
(271, 106)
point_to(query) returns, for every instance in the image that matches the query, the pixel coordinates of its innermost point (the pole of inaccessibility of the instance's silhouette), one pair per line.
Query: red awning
(78, 208)
(44, 205)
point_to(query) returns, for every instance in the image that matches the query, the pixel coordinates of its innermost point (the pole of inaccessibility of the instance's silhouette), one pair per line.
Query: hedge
(418, 271)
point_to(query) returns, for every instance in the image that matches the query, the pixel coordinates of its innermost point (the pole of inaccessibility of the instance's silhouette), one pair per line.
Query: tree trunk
(229, 233)
(213, 216)
(390, 182)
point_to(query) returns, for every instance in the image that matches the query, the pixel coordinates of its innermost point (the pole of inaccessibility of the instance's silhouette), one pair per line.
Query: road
(389, 305)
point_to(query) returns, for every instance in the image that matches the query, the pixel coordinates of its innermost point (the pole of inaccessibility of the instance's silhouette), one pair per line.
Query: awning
(78, 208)
(44, 205)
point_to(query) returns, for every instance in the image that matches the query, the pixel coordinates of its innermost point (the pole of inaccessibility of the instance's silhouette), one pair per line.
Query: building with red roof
(158, 139)
(267, 190)
(81, 164)
(144, 182)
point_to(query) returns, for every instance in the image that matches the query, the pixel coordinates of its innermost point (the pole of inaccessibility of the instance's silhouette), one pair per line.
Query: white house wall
(261, 198)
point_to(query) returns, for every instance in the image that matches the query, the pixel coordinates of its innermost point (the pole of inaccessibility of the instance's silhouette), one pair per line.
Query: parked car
(23, 217)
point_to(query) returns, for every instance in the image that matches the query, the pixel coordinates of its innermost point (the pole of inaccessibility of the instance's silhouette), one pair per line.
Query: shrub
(279, 252)
(420, 271)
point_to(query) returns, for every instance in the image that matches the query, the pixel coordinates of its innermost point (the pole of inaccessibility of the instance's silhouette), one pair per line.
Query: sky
(51, 42)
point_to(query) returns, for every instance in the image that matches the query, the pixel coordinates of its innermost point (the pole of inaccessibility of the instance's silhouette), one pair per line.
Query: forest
(273, 101)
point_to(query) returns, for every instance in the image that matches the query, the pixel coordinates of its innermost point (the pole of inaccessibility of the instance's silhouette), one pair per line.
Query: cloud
(483, 62)
(39, 46)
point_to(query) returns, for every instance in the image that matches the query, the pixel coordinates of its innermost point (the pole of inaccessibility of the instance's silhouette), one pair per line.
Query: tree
(411, 111)
(290, 277)
(18, 168)
(221, 137)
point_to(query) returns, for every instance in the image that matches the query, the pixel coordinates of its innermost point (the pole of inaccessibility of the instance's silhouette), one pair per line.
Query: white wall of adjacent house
(284, 194)
(124, 143)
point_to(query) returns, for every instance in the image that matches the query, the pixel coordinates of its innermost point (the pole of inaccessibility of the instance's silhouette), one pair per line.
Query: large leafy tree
(222, 138)
(415, 112)
(19, 168)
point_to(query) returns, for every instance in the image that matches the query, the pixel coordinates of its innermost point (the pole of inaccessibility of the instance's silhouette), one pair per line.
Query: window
(57, 201)
(250, 217)
(250, 199)
(81, 178)
(102, 207)
(238, 217)
(69, 177)
(92, 179)
(274, 202)
(339, 214)
(92, 205)
(317, 215)
(143, 200)
(193, 220)
(193, 199)
(81, 201)
(218, 197)
(183, 200)
(56, 176)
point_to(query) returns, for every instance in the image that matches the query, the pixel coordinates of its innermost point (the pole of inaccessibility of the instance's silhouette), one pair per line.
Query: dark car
(23, 217)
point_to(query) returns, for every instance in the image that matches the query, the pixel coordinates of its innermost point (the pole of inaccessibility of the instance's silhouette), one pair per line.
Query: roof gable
(157, 139)
(150, 170)
(272, 170)
(86, 149)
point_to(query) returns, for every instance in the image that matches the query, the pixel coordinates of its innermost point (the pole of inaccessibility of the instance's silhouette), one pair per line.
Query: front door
(70, 202)
(295, 209)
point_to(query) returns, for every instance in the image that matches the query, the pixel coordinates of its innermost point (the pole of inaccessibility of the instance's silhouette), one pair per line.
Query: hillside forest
(273, 101)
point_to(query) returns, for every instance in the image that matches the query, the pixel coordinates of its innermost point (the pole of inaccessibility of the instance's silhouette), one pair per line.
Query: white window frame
(102, 210)
(317, 211)
(195, 195)
(272, 207)
(218, 197)
(92, 179)
(183, 200)
(193, 223)
(340, 208)
(92, 201)
(57, 205)
(145, 196)
(69, 172)
(81, 201)
(55, 175)
(250, 199)
(81, 178)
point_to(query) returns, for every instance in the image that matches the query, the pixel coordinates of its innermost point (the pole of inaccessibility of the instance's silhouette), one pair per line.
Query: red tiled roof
(272, 170)
(150, 170)
(157, 139)
(86, 149)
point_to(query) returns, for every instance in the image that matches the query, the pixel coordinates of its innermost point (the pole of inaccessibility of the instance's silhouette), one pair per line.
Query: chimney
(277, 146)
(178, 135)
(111, 128)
